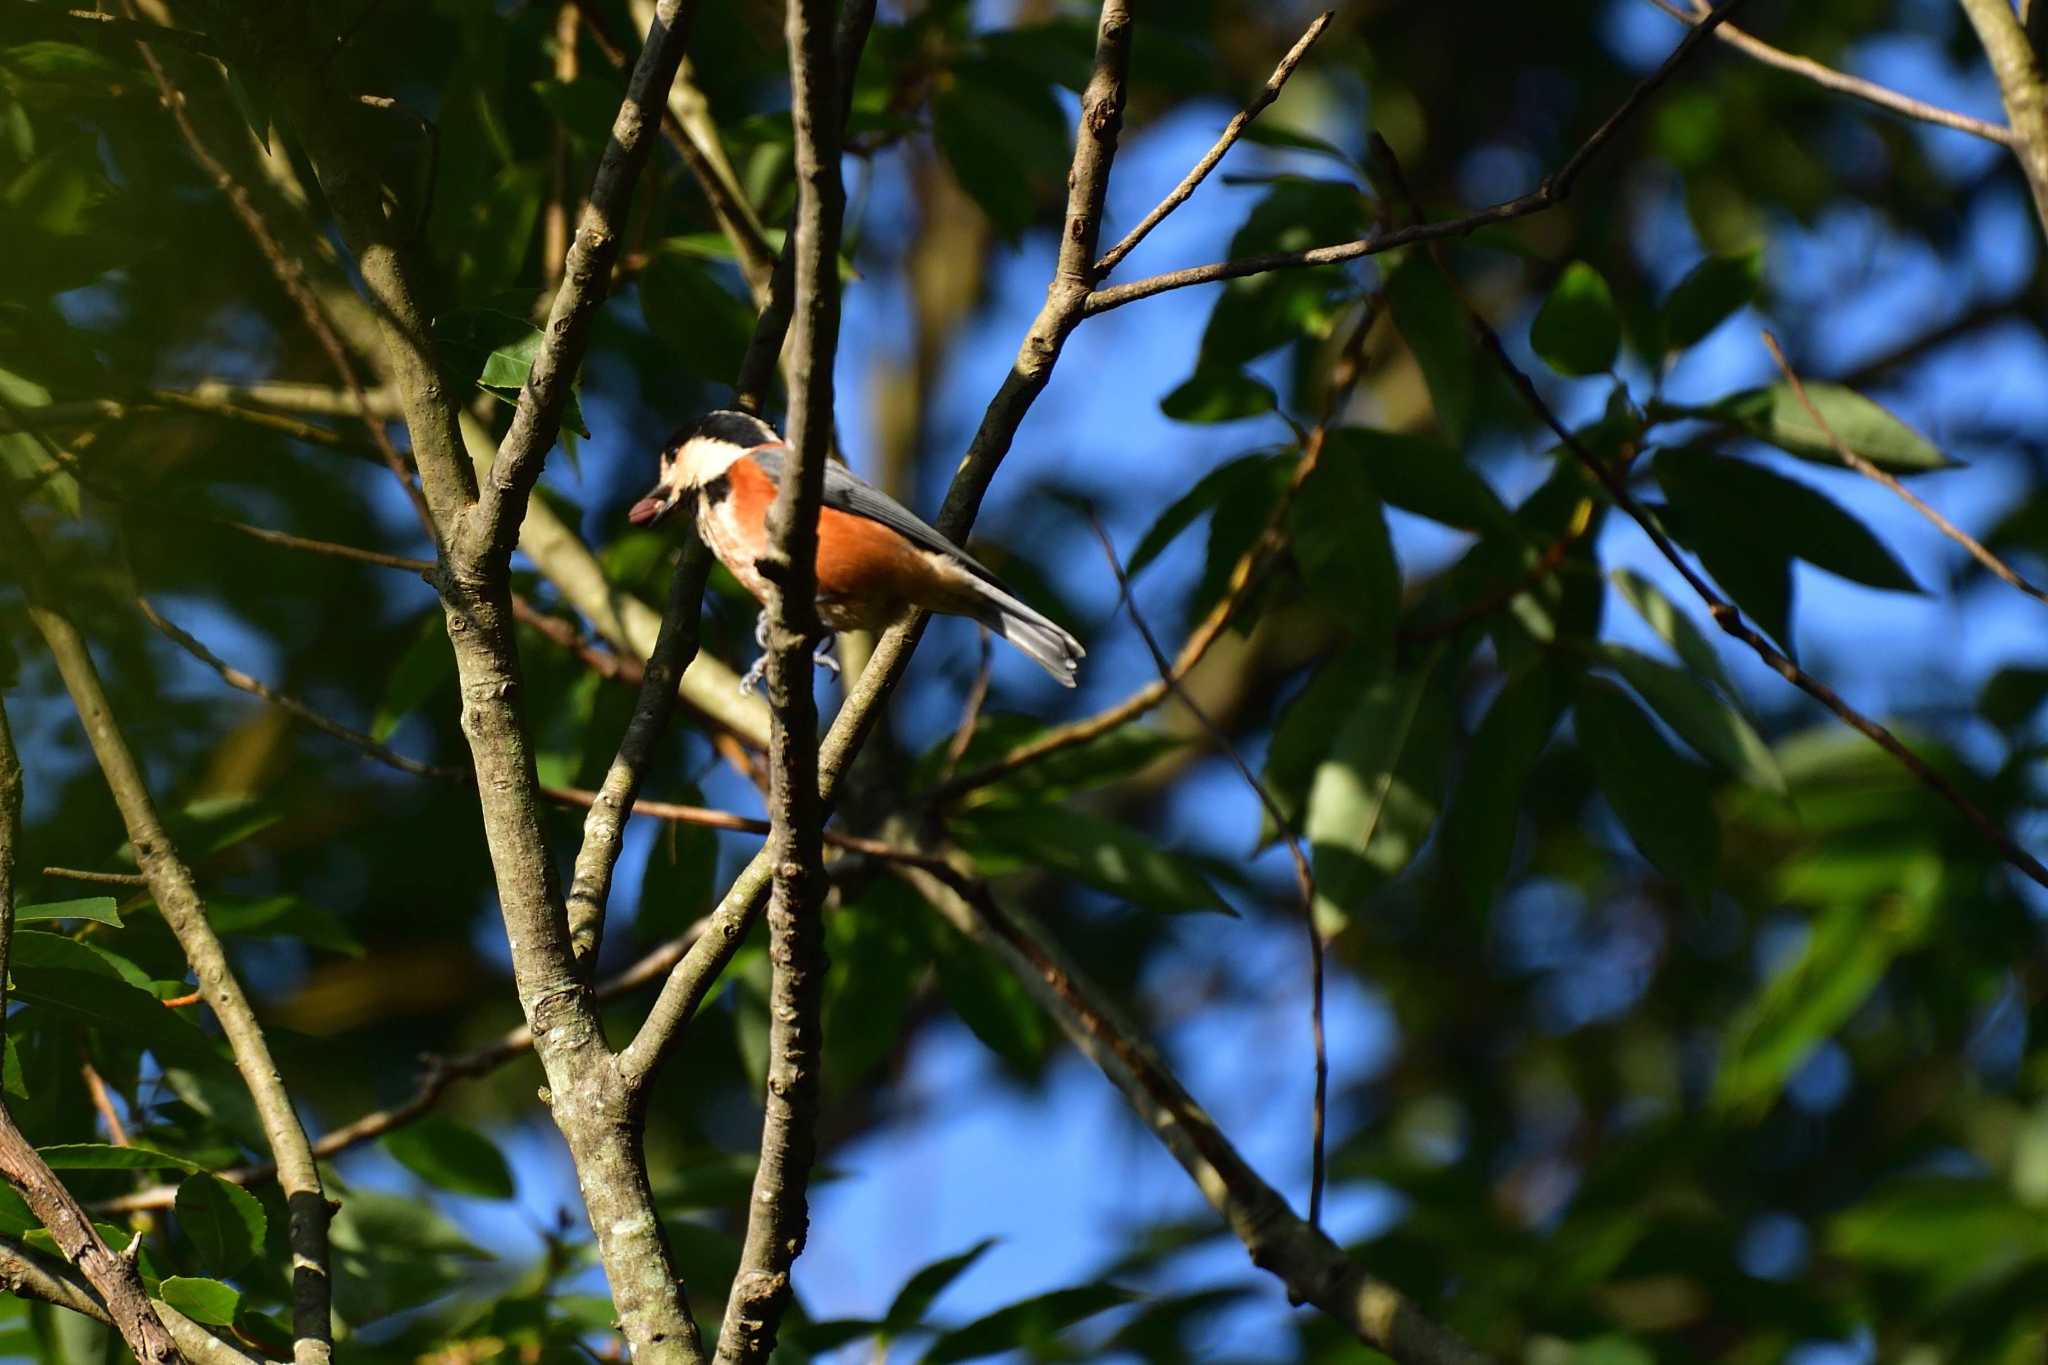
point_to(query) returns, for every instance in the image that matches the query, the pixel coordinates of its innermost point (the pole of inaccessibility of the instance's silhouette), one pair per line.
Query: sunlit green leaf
(1218, 396)
(100, 909)
(1675, 628)
(1775, 414)
(207, 1301)
(101, 1156)
(1110, 856)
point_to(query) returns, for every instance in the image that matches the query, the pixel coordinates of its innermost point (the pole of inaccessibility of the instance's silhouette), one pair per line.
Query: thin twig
(1232, 131)
(1547, 563)
(604, 827)
(1556, 187)
(54, 18)
(1870, 92)
(1304, 874)
(2005, 572)
(970, 712)
(104, 878)
(491, 526)
(1312, 1267)
(1724, 613)
(177, 898)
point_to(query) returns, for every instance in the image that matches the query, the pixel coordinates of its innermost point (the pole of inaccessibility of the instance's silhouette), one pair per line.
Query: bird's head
(695, 455)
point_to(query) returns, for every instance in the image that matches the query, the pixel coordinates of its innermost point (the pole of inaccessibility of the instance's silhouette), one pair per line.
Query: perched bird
(876, 559)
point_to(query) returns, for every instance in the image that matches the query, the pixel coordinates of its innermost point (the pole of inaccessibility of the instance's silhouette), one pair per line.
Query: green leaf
(1032, 1325)
(1775, 414)
(1301, 736)
(207, 1301)
(992, 1003)
(1485, 808)
(1711, 293)
(1753, 570)
(1376, 791)
(39, 949)
(1953, 1232)
(451, 1157)
(283, 916)
(1577, 331)
(1219, 396)
(224, 1221)
(1713, 727)
(100, 1156)
(426, 665)
(915, 1299)
(1345, 554)
(1421, 475)
(881, 964)
(1109, 757)
(1847, 952)
(99, 909)
(1003, 133)
(2011, 696)
(696, 316)
(1768, 506)
(1675, 628)
(130, 1014)
(1113, 857)
(1663, 800)
(1432, 322)
(495, 351)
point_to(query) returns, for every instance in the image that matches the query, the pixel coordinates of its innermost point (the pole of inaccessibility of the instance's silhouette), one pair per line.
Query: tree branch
(1999, 568)
(604, 828)
(778, 1215)
(1870, 92)
(1313, 1268)
(2023, 86)
(28, 1275)
(1556, 187)
(177, 897)
(491, 528)
(1232, 131)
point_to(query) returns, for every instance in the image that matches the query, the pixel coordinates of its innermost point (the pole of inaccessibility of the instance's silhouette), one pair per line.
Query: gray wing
(847, 492)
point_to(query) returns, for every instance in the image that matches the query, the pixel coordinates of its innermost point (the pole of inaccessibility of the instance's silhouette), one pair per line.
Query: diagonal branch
(177, 897)
(778, 1215)
(1826, 77)
(1313, 1268)
(28, 1275)
(490, 529)
(1555, 189)
(1232, 131)
(2023, 85)
(604, 828)
(114, 1276)
(1999, 568)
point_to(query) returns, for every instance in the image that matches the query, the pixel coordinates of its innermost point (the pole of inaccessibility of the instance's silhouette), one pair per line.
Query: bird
(876, 558)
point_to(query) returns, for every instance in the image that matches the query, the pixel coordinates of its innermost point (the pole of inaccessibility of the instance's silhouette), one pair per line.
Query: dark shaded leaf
(992, 1003)
(696, 316)
(1663, 800)
(914, 1300)
(225, 1222)
(1112, 857)
(1033, 1324)
(1768, 506)
(101, 1156)
(1711, 293)
(1421, 475)
(1433, 323)
(427, 664)
(1577, 331)
(1713, 727)
(1003, 133)
(1345, 554)
(451, 1157)
(1218, 396)
(1675, 628)
(1485, 809)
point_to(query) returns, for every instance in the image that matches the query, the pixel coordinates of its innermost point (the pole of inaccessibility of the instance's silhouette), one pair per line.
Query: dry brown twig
(1826, 77)
(1848, 456)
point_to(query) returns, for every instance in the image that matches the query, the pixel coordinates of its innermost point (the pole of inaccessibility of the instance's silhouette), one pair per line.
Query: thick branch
(28, 1275)
(177, 897)
(492, 529)
(778, 1215)
(2023, 86)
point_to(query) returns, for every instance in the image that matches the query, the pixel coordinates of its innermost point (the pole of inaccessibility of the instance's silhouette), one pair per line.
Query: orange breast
(869, 568)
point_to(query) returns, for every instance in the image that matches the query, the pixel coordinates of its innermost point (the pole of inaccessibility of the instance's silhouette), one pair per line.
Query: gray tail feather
(1052, 648)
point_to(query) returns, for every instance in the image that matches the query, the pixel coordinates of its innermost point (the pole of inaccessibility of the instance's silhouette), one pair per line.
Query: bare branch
(28, 1275)
(2005, 572)
(1556, 187)
(491, 527)
(778, 1215)
(1232, 131)
(1313, 1268)
(604, 828)
(2023, 85)
(177, 897)
(67, 23)
(1870, 92)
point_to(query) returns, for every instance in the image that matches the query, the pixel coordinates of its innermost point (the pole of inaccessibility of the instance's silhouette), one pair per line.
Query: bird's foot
(822, 655)
(750, 681)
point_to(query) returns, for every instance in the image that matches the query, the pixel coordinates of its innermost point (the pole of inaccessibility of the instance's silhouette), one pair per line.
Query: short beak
(657, 504)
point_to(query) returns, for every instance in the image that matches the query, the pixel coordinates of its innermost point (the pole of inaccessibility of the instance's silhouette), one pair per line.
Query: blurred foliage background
(1671, 1020)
